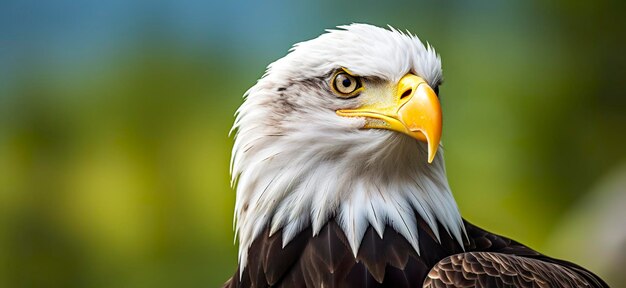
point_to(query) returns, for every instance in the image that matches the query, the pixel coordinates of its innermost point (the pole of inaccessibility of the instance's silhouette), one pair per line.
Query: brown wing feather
(500, 244)
(488, 269)
(497, 261)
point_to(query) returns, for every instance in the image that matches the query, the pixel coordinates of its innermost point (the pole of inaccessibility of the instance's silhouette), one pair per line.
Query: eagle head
(345, 126)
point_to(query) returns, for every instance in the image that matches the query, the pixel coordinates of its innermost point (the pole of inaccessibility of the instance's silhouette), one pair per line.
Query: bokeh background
(114, 120)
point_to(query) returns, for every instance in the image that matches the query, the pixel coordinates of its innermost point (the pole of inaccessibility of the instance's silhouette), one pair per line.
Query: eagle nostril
(406, 93)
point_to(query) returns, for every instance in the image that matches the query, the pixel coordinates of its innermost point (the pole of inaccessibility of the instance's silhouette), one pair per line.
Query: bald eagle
(339, 183)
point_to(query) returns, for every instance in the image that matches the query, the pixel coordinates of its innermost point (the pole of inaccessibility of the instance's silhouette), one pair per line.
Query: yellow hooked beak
(411, 108)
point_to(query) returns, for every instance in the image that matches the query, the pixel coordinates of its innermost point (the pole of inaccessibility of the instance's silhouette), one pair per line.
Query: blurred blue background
(114, 120)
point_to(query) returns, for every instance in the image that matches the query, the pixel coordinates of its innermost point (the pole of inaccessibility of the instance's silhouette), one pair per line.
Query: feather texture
(326, 260)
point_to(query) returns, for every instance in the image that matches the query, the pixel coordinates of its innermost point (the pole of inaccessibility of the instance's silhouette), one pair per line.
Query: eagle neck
(383, 182)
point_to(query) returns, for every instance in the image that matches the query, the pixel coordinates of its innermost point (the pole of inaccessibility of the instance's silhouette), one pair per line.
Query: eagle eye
(346, 85)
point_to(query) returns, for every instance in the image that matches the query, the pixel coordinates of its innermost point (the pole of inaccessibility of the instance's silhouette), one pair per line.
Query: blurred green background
(114, 120)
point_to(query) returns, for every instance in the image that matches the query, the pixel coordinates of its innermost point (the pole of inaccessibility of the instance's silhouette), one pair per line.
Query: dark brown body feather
(487, 260)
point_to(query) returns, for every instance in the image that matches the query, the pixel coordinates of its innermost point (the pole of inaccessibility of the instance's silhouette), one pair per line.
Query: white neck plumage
(299, 178)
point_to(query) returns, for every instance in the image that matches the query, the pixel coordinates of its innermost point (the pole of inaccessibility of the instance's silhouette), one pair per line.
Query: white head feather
(297, 163)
